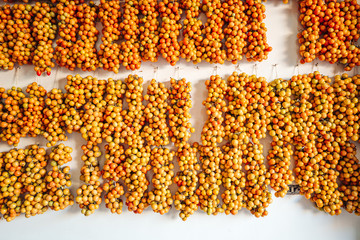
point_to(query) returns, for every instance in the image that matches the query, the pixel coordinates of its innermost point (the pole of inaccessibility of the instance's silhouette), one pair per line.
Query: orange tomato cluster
(58, 180)
(257, 48)
(44, 32)
(252, 127)
(192, 32)
(22, 181)
(85, 112)
(22, 113)
(317, 117)
(317, 150)
(329, 150)
(31, 123)
(54, 124)
(83, 51)
(281, 130)
(349, 176)
(346, 90)
(179, 112)
(345, 101)
(53, 1)
(304, 141)
(21, 41)
(330, 33)
(149, 30)
(156, 133)
(112, 171)
(114, 191)
(11, 112)
(170, 14)
(233, 177)
(136, 165)
(78, 35)
(160, 198)
(129, 27)
(235, 30)
(185, 199)
(5, 33)
(67, 28)
(137, 156)
(26, 186)
(210, 153)
(132, 32)
(112, 129)
(284, 1)
(213, 51)
(110, 15)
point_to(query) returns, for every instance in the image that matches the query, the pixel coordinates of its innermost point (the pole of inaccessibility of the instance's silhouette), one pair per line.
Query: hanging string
(155, 72)
(55, 80)
(296, 69)
(276, 71)
(237, 68)
(215, 70)
(177, 73)
(255, 70)
(16, 75)
(313, 67)
(37, 79)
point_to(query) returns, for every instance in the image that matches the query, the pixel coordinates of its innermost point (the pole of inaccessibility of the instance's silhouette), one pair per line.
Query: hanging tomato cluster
(132, 32)
(27, 187)
(330, 32)
(318, 118)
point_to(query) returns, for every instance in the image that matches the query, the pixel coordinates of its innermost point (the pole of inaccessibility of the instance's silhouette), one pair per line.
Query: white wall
(293, 217)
